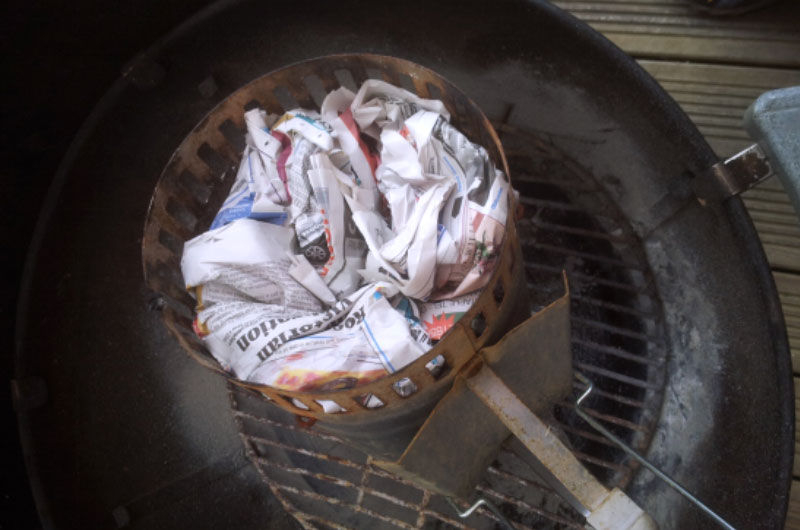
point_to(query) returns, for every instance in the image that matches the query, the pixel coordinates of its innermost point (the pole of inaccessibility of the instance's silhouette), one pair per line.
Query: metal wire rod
(642, 460)
(481, 502)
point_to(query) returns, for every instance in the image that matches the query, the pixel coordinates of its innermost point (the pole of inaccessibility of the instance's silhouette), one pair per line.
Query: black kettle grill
(674, 313)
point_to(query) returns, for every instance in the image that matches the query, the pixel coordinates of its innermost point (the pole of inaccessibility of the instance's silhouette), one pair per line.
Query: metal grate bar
(420, 508)
(586, 255)
(616, 376)
(290, 509)
(361, 488)
(615, 397)
(494, 470)
(606, 417)
(321, 476)
(527, 507)
(565, 206)
(489, 515)
(598, 461)
(615, 329)
(594, 234)
(338, 502)
(426, 498)
(577, 297)
(306, 452)
(617, 352)
(587, 435)
(273, 423)
(584, 277)
(364, 478)
(314, 519)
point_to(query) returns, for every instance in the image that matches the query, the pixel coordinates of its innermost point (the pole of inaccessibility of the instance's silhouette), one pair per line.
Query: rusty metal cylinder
(196, 180)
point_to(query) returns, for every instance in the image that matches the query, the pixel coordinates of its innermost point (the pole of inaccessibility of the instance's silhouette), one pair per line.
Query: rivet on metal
(28, 393)
(208, 87)
(144, 72)
(122, 517)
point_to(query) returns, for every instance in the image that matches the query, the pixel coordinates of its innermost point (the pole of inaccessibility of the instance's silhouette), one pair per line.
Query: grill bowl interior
(127, 415)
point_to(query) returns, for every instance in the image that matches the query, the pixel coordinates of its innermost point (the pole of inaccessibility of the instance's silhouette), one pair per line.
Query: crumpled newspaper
(437, 317)
(353, 238)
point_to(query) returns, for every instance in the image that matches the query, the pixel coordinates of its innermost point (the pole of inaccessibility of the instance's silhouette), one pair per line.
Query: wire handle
(642, 460)
(481, 502)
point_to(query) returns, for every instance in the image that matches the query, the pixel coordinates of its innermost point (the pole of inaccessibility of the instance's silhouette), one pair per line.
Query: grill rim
(698, 155)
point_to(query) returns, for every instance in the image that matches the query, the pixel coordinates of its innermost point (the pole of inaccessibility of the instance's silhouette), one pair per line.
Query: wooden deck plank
(671, 29)
(796, 469)
(715, 98)
(793, 515)
(789, 291)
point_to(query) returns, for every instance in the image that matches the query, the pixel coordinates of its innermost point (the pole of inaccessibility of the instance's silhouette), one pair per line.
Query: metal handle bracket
(604, 509)
(742, 171)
